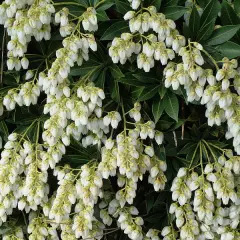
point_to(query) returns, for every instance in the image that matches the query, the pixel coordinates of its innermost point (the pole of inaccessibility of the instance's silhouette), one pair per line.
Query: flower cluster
(154, 46)
(206, 205)
(23, 184)
(24, 20)
(202, 85)
(25, 95)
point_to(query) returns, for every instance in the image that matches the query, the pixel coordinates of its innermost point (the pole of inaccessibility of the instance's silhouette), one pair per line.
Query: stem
(26, 131)
(124, 119)
(194, 154)
(210, 57)
(99, 3)
(201, 158)
(69, 3)
(104, 234)
(214, 156)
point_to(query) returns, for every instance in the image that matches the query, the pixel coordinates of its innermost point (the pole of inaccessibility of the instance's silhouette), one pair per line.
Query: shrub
(120, 119)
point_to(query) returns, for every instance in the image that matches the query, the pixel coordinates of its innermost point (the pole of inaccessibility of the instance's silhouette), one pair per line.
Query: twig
(102, 234)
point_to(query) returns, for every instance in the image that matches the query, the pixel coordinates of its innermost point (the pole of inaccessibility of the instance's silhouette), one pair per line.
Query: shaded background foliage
(183, 124)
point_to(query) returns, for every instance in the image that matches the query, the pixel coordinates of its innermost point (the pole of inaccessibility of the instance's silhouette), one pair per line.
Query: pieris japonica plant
(120, 119)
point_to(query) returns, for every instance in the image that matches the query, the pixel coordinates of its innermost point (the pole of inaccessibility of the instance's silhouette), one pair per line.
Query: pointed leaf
(229, 16)
(3, 130)
(194, 21)
(208, 18)
(174, 12)
(171, 105)
(157, 109)
(223, 34)
(115, 30)
(148, 92)
(116, 71)
(123, 6)
(229, 49)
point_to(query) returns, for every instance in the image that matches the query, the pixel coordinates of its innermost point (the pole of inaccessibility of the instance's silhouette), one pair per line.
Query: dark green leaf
(223, 34)
(146, 77)
(116, 72)
(171, 105)
(188, 148)
(194, 22)
(104, 6)
(102, 16)
(237, 7)
(100, 82)
(155, 3)
(137, 91)
(170, 2)
(131, 81)
(207, 21)
(148, 92)
(115, 30)
(33, 132)
(123, 6)
(229, 16)
(157, 109)
(76, 159)
(115, 90)
(3, 130)
(162, 91)
(173, 12)
(229, 49)
(149, 202)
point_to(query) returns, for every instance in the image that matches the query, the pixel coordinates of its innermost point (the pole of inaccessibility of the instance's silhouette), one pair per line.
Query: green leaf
(207, 21)
(170, 2)
(80, 159)
(4, 130)
(194, 21)
(162, 91)
(123, 6)
(149, 202)
(146, 77)
(155, 3)
(148, 92)
(157, 109)
(100, 82)
(102, 16)
(104, 6)
(115, 30)
(171, 105)
(131, 81)
(237, 7)
(33, 132)
(223, 34)
(137, 91)
(189, 147)
(115, 90)
(116, 72)
(229, 16)
(229, 49)
(174, 12)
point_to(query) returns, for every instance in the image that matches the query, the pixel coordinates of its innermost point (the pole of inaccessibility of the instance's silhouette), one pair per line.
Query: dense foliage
(120, 119)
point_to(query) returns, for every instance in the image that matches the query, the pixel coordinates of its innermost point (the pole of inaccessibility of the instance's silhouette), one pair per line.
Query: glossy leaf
(115, 30)
(194, 21)
(207, 21)
(223, 34)
(229, 49)
(171, 105)
(174, 12)
(157, 109)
